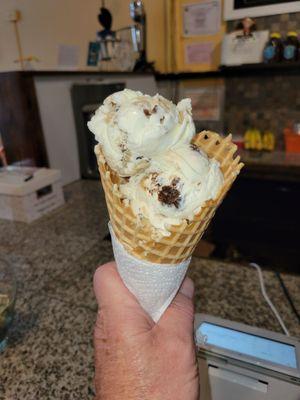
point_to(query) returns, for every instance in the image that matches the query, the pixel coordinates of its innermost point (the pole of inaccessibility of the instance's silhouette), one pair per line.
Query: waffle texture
(137, 236)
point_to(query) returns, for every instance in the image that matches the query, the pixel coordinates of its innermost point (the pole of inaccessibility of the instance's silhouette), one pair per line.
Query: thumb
(179, 316)
(116, 303)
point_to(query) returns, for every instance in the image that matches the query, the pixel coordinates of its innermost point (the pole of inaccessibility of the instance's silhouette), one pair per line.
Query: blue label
(289, 52)
(269, 52)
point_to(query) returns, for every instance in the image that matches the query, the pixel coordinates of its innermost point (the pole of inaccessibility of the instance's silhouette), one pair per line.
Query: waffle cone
(137, 237)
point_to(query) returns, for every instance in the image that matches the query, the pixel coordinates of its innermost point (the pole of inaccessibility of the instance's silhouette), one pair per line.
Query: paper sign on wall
(198, 53)
(202, 18)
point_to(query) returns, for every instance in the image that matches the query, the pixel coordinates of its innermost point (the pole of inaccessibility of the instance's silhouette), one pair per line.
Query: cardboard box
(28, 193)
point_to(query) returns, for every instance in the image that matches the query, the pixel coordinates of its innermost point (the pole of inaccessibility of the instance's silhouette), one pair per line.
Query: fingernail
(187, 288)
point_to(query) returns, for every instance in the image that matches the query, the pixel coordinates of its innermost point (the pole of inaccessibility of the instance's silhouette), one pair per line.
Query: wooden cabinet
(261, 219)
(20, 123)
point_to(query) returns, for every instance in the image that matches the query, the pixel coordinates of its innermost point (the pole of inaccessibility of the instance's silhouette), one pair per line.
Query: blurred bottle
(292, 137)
(268, 141)
(253, 139)
(273, 50)
(291, 47)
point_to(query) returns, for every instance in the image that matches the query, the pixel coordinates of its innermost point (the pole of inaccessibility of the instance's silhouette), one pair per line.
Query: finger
(187, 288)
(115, 300)
(179, 316)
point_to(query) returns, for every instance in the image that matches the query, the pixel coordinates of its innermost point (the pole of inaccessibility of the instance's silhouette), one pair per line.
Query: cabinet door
(20, 124)
(199, 29)
(261, 211)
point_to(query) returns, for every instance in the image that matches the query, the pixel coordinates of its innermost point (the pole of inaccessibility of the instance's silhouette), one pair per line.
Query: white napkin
(154, 285)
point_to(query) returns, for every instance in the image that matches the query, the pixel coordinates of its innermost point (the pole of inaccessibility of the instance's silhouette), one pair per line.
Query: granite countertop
(50, 352)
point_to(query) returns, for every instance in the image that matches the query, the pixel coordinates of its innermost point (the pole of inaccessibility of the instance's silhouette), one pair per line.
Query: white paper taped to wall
(202, 18)
(199, 53)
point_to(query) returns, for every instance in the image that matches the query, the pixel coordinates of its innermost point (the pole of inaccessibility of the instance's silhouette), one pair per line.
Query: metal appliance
(126, 46)
(138, 15)
(86, 98)
(241, 362)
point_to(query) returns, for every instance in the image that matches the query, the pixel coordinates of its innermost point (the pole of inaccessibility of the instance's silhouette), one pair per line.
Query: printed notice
(202, 18)
(198, 53)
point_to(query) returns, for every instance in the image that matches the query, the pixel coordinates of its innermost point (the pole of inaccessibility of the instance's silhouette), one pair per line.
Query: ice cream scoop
(174, 187)
(132, 128)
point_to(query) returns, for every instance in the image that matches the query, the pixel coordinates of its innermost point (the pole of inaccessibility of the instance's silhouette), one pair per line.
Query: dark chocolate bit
(154, 109)
(139, 157)
(175, 181)
(147, 112)
(113, 104)
(122, 147)
(194, 147)
(154, 175)
(169, 195)
(162, 119)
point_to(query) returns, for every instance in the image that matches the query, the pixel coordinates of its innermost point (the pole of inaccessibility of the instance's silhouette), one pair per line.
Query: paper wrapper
(154, 285)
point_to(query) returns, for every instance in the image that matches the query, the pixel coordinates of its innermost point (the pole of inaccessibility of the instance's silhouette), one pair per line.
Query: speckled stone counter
(50, 353)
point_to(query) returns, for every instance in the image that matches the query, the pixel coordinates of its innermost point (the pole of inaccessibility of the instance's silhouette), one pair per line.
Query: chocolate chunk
(147, 112)
(175, 181)
(139, 157)
(122, 147)
(154, 110)
(162, 119)
(154, 175)
(194, 147)
(169, 195)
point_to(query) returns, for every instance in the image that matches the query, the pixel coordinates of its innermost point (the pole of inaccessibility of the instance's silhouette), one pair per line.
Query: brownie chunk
(169, 195)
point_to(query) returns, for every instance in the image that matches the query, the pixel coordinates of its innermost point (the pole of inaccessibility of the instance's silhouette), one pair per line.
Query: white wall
(47, 23)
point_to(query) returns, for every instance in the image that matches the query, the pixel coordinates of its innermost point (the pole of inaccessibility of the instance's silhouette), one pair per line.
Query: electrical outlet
(14, 16)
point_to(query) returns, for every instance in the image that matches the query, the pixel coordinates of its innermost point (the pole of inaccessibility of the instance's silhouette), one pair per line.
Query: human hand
(136, 358)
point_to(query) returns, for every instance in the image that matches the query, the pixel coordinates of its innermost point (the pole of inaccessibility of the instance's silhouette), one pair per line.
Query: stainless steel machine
(241, 362)
(128, 45)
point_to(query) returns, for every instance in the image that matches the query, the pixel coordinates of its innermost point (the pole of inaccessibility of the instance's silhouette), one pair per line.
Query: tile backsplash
(267, 101)
(264, 101)
(274, 23)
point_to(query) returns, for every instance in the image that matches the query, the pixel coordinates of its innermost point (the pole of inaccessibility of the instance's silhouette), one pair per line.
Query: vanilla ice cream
(132, 128)
(173, 187)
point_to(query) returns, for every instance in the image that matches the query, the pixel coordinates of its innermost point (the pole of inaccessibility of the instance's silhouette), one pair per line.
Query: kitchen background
(57, 65)
(44, 109)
